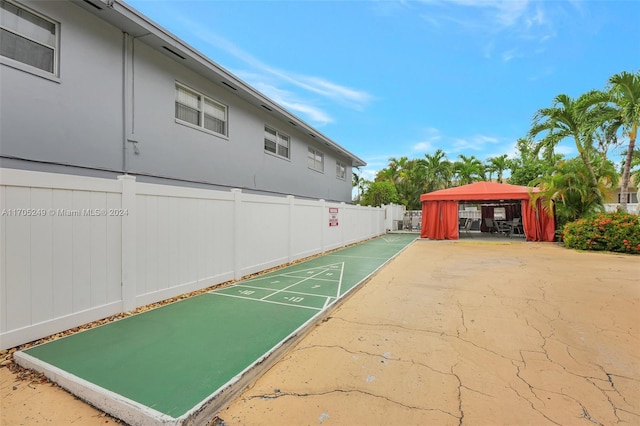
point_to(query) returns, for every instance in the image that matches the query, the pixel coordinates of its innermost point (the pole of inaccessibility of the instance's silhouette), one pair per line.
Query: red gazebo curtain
(538, 224)
(439, 220)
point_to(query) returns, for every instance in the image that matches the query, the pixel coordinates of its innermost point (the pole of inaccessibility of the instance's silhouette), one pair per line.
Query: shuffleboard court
(181, 361)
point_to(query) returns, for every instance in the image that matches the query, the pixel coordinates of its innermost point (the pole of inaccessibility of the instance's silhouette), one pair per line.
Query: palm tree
(570, 187)
(568, 117)
(483, 170)
(625, 95)
(605, 137)
(499, 165)
(438, 171)
(468, 169)
(391, 173)
(410, 182)
(618, 107)
(635, 169)
(408, 178)
(528, 166)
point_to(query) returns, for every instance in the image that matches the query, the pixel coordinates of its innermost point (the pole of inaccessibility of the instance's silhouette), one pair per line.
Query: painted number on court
(246, 292)
(294, 299)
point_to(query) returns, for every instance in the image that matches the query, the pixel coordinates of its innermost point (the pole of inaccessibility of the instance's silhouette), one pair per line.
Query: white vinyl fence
(77, 249)
(394, 216)
(633, 208)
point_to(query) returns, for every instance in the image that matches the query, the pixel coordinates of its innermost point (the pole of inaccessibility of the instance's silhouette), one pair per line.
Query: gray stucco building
(95, 88)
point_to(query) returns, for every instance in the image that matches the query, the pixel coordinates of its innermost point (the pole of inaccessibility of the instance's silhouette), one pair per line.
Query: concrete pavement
(468, 332)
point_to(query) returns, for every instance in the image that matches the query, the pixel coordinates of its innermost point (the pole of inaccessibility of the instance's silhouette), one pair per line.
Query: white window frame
(200, 108)
(276, 143)
(341, 170)
(53, 45)
(315, 160)
(632, 197)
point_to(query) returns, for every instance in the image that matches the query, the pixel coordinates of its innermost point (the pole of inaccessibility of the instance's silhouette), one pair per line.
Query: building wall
(171, 149)
(113, 87)
(76, 118)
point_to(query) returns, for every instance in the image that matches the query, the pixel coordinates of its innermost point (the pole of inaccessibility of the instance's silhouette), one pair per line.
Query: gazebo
(440, 209)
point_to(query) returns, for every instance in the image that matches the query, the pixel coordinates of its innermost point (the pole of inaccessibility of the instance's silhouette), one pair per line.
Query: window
(28, 37)
(315, 160)
(198, 110)
(275, 142)
(632, 197)
(341, 170)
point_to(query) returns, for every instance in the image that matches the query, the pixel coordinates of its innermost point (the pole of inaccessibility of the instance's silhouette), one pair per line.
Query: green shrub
(617, 232)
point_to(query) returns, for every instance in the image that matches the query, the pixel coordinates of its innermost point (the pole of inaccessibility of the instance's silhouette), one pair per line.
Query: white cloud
(370, 173)
(509, 55)
(316, 115)
(465, 145)
(341, 94)
(507, 13)
(429, 141)
(509, 148)
(542, 73)
(375, 163)
(288, 99)
(535, 18)
(269, 79)
(423, 146)
(495, 23)
(485, 139)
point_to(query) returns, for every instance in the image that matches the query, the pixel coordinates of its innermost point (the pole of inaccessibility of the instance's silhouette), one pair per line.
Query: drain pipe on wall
(125, 93)
(128, 99)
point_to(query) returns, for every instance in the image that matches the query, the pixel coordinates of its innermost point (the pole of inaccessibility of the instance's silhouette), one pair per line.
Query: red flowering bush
(617, 232)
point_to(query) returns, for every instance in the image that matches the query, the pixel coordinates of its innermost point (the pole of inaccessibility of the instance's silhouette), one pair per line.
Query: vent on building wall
(266, 107)
(92, 4)
(229, 86)
(173, 52)
(292, 123)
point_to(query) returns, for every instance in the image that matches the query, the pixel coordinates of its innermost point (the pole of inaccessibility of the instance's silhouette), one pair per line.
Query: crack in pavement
(466, 330)
(585, 415)
(460, 410)
(533, 407)
(280, 394)
(375, 355)
(548, 317)
(412, 362)
(428, 331)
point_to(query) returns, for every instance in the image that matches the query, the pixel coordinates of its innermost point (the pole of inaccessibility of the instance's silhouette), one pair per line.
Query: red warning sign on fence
(333, 216)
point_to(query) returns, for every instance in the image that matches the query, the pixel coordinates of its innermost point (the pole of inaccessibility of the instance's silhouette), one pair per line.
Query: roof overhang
(134, 23)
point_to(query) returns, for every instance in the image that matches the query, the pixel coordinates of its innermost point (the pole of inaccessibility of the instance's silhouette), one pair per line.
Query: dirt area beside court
(448, 333)
(29, 399)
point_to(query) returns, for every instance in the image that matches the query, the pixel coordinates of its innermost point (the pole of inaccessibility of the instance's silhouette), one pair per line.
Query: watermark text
(63, 212)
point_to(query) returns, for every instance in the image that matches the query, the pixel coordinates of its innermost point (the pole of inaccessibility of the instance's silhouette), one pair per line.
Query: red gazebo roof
(480, 191)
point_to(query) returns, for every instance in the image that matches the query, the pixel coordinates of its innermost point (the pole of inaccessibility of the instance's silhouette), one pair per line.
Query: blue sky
(394, 78)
